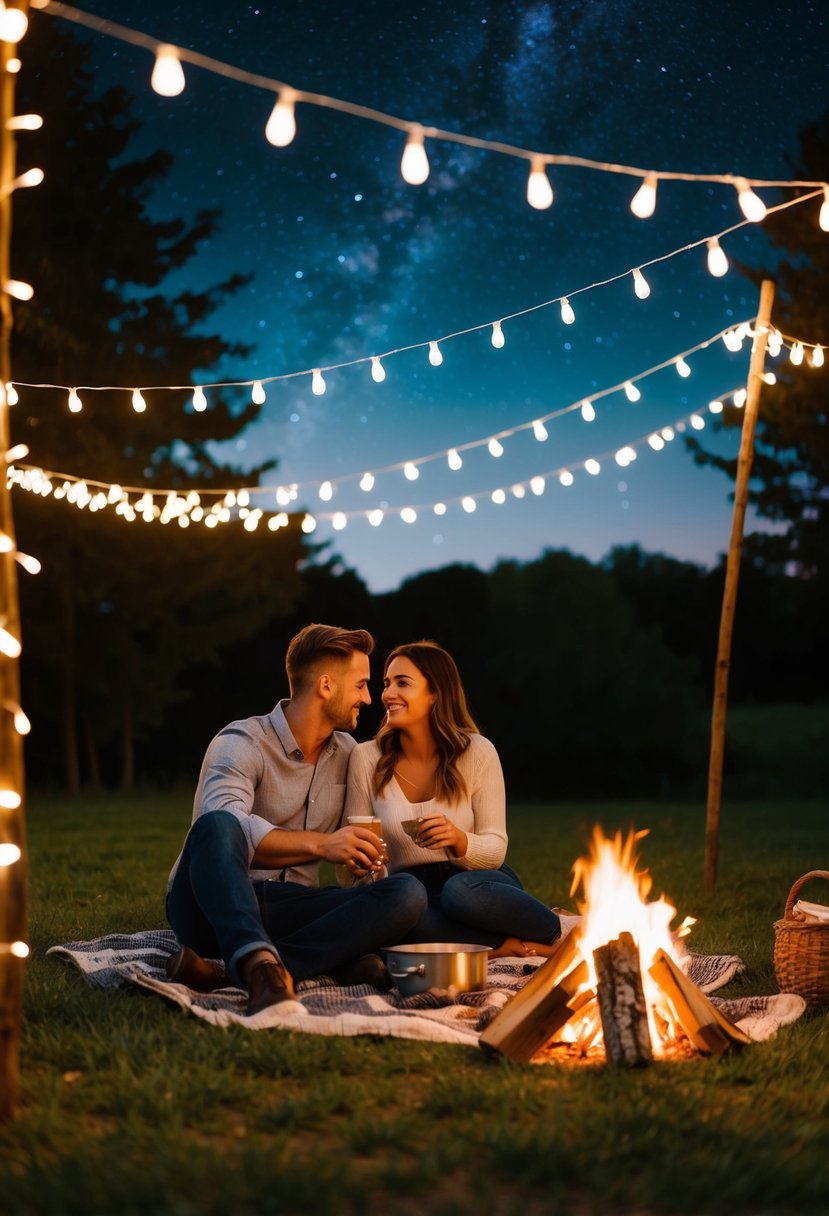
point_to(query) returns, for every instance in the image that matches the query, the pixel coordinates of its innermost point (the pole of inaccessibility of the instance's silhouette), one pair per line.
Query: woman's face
(406, 694)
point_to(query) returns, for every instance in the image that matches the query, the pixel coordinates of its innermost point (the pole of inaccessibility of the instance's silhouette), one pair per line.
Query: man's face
(351, 693)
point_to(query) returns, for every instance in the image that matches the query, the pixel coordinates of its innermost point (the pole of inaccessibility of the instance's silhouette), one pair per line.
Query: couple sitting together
(275, 797)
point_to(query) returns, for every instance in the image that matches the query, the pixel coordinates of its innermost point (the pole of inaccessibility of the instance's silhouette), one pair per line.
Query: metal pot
(455, 966)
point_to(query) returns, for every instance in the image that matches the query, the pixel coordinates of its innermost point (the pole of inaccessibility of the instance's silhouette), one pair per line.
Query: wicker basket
(801, 950)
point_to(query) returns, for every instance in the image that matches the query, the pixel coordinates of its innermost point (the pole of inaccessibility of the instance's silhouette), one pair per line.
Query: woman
(436, 785)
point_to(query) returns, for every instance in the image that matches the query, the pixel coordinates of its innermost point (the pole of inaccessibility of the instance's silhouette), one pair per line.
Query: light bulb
(18, 452)
(308, 524)
(13, 24)
(796, 353)
(11, 394)
(824, 210)
(75, 403)
(378, 372)
(497, 335)
(326, 491)
(587, 412)
(339, 521)
(19, 949)
(625, 456)
(439, 508)
(732, 341)
(257, 393)
(817, 357)
(32, 177)
(454, 459)
(643, 203)
(496, 449)
(631, 391)
(375, 517)
(317, 383)
(751, 205)
(518, 491)
(21, 723)
(768, 378)
(19, 289)
(281, 126)
(9, 646)
(367, 482)
(537, 485)
(408, 515)
(540, 431)
(717, 261)
(739, 398)
(539, 190)
(656, 442)
(411, 471)
(168, 75)
(24, 122)
(199, 400)
(567, 314)
(499, 497)
(283, 496)
(138, 402)
(9, 854)
(593, 467)
(683, 368)
(715, 407)
(415, 163)
(775, 344)
(468, 504)
(697, 423)
(435, 354)
(641, 285)
(566, 477)
(668, 433)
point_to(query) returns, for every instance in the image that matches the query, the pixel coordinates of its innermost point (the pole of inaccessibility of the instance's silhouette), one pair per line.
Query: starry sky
(349, 261)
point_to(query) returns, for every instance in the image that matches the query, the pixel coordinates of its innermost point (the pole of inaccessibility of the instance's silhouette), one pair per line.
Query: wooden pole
(732, 575)
(13, 885)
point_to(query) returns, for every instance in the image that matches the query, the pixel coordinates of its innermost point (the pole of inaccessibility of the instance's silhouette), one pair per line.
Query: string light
(414, 166)
(435, 354)
(74, 402)
(32, 177)
(587, 412)
(566, 477)
(168, 75)
(468, 504)
(641, 285)
(18, 289)
(138, 402)
(378, 372)
(775, 343)
(367, 482)
(10, 800)
(643, 203)
(375, 517)
(408, 515)
(439, 508)
(656, 442)
(199, 400)
(539, 190)
(751, 205)
(497, 335)
(257, 393)
(9, 854)
(537, 485)
(715, 407)
(518, 491)
(592, 467)
(567, 314)
(824, 210)
(11, 394)
(796, 354)
(682, 368)
(13, 24)
(19, 451)
(18, 949)
(498, 497)
(317, 383)
(454, 460)
(739, 398)
(717, 261)
(24, 122)
(308, 524)
(410, 471)
(632, 392)
(540, 431)
(281, 126)
(326, 491)
(495, 448)
(817, 357)
(768, 378)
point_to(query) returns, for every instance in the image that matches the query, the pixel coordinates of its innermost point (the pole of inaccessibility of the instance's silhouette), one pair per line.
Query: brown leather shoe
(200, 974)
(269, 983)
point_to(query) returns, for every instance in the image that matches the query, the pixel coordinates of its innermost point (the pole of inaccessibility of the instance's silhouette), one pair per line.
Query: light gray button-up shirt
(255, 769)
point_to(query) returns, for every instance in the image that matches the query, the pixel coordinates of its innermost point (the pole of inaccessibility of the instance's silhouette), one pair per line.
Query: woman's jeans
(215, 909)
(479, 907)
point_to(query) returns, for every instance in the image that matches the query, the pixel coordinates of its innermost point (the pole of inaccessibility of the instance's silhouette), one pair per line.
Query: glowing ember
(615, 901)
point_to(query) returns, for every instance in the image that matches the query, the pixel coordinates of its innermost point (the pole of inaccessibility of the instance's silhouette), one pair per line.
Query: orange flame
(615, 901)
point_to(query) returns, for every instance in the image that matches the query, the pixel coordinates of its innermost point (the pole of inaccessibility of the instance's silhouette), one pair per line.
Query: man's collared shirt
(255, 769)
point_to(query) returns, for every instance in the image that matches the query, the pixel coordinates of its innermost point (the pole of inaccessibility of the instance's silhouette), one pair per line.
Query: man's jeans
(479, 907)
(215, 909)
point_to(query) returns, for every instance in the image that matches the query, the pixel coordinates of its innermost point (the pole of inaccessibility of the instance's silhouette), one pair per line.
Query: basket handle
(793, 894)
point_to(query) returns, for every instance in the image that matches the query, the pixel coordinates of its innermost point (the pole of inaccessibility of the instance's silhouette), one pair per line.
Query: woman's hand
(438, 832)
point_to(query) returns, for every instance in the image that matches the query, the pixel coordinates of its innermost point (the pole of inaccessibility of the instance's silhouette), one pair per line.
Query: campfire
(617, 985)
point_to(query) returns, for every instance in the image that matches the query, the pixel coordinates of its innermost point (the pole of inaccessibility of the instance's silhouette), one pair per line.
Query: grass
(129, 1106)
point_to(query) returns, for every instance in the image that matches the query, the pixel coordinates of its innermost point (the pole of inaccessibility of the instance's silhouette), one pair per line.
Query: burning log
(708, 1029)
(622, 1006)
(534, 1015)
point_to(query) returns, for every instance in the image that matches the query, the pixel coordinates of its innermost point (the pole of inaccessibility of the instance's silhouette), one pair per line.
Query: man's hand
(438, 832)
(357, 848)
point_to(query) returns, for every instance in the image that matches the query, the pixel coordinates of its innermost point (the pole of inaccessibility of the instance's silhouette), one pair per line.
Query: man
(266, 812)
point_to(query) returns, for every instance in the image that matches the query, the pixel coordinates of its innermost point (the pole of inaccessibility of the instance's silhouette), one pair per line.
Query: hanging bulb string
(678, 426)
(125, 33)
(428, 343)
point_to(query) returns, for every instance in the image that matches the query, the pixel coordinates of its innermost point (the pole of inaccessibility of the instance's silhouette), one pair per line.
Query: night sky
(349, 261)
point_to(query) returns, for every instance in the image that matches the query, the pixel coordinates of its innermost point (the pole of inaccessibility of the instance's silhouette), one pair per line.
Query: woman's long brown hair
(451, 722)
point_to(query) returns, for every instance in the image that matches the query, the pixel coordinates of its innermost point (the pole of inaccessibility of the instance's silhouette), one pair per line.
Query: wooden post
(13, 887)
(732, 575)
(627, 1040)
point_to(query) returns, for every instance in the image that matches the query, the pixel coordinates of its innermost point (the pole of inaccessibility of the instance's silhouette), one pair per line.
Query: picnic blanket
(323, 1007)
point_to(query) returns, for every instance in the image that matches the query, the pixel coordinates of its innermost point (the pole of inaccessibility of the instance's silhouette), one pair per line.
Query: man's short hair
(317, 645)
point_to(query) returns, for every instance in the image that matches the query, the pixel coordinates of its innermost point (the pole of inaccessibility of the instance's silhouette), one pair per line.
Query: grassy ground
(129, 1106)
